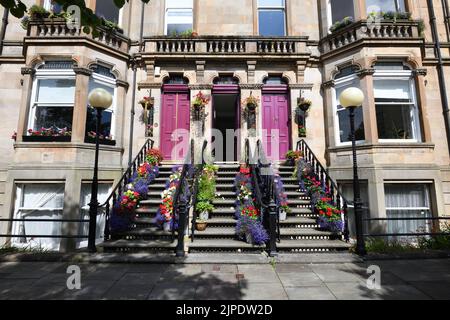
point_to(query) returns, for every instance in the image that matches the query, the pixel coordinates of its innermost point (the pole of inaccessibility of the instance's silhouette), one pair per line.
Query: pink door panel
(175, 114)
(275, 125)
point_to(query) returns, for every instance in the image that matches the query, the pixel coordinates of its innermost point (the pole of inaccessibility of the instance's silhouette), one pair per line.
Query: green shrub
(204, 206)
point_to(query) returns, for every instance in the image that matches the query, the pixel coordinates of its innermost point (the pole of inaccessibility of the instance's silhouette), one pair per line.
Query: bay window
(52, 99)
(340, 9)
(38, 201)
(346, 79)
(396, 104)
(385, 6)
(272, 17)
(104, 79)
(107, 10)
(404, 200)
(179, 16)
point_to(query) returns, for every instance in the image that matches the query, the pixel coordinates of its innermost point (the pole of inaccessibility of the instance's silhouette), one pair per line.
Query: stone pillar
(197, 127)
(294, 94)
(80, 106)
(369, 110)
(200, 71)
(251, 68)
(301, 66)
(329, 114)
(377, 202)
(422, 103)
(121, 92)
(27, 84)
(252, 134)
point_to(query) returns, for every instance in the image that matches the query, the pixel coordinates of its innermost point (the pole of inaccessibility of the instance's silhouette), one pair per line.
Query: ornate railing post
(182, 214)
(273, 217)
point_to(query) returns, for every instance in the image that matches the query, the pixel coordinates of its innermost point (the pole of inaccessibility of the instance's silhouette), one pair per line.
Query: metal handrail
(121, 185)
(319, 170)
(197, 176)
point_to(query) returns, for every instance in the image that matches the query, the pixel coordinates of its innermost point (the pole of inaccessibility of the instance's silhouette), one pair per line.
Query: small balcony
(230, 46)
(56, 29)
(405, 31)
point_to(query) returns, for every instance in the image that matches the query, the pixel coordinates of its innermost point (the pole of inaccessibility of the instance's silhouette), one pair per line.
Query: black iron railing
(197, 175)
(121, 185)
(262, 181)
(327, 182)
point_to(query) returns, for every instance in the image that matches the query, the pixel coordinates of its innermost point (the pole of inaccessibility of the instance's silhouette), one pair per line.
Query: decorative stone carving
(200, 68)
(200, 86)
(124, 84)
(251, 86)
(328, 84)
(420, 72)
(27, 71)
(82, 71)
(365, 72)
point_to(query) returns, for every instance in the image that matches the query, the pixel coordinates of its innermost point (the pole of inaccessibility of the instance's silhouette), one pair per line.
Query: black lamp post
(100, 99)
(351, 99)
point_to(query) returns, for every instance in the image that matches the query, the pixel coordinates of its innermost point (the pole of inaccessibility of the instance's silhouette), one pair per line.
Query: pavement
(399, 279)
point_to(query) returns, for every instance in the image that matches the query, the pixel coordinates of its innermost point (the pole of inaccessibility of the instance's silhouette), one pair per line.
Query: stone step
(224, 202)
(285, 168)
(225, 194)
(312, 245)
(298, 221)
(145, 233)
(225, 180)
(151, 202)
(216, 232)
(221, 221)
(289, 180)
(157, 186)
(226, 174)
(139, 245)
(225, 186)
(293, 202)
(307, 232)
(223, 245)
(223, 211)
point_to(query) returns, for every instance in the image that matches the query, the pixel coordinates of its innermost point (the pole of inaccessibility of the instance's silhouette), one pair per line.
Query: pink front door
(175, 125)
(275, 117)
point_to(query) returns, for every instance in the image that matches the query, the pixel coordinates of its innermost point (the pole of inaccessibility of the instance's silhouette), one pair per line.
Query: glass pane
(385, 5)
(390, 65)
(43, 196)
(271, 3)
(271, 23)
(392, 90)
(395, 121)
(107, 10)
(91, 122)
(97, 85)
(178, 28)
(344, 125)
(56, 91)
(179, 3)
(53, 117)
(347, 192)
(341, 9)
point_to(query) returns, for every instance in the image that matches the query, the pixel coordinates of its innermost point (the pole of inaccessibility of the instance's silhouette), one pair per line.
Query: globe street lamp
(99, 99)
(351, 99)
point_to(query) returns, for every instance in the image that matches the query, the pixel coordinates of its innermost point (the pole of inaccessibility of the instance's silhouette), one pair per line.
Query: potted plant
(330, 217)
(200, 225)
(204, 208)
(198, 105)
(38, 12)
(304, 104)
(292, 157)
(301, 131)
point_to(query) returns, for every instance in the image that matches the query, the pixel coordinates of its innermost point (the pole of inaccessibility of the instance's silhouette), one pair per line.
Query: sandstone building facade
(277, 50)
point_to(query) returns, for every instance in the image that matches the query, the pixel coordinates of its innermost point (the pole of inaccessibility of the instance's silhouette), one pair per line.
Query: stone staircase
(144, 236)
(299, 232)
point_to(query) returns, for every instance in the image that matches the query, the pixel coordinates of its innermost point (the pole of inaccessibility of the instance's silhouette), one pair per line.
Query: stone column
(422, 104)
(27, 85)
(329, 114)
(369, 110)
(200, 71)
(81, 102)
(294, 94)
(197, 127)
(253, 134)
(122, 88)
(251, 68)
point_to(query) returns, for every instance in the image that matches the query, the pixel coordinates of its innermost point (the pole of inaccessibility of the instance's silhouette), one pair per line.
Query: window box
(105, 142)
(46, 139)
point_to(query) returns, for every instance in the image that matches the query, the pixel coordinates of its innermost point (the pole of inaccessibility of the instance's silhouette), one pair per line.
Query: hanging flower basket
(304, 104)
(147, 103)
(302, 132)
(251, 103)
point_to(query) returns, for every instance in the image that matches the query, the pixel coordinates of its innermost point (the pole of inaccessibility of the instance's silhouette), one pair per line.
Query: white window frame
(112, 83)
(186, 8)
(330, 15)
(18, 209)
(404, 75)
(342, 82)
(397, 6)
(273, 8)
(120, 18)
(48, 75)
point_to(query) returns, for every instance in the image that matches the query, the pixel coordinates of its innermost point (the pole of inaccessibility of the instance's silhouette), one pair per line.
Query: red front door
(275, 117)
(175, 125)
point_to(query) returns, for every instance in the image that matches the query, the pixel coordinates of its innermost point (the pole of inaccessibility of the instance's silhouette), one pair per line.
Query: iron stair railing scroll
(197, 175)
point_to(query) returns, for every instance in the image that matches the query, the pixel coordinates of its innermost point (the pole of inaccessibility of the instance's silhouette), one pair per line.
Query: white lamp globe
(100, 99)
(351, 97)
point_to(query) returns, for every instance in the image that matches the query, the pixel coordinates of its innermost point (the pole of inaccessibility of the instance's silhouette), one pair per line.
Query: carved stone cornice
(301, 86)
(420, 72)
(200, 86)
(82, 71)
(27, 70)
(122, 83)
(328, 84)
(149, 85)
(365, 72)
(251, 86)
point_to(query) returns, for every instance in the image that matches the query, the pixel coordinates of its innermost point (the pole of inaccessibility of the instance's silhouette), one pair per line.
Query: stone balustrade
(362, 30)
(57, 28)
(229, 45)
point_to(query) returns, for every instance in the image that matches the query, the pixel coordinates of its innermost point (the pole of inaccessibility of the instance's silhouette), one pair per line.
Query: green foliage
(204, 206)
(13, 250)
(185, 34)
(421, 27)
(89, 21)
(441, 242)
(338, 25)
(207, 188)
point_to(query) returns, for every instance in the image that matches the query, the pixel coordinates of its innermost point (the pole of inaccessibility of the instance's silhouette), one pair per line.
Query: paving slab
(128, 292)
(310, 293)
(173, 291)
(300, 279)
(437, 290)
(263, 291)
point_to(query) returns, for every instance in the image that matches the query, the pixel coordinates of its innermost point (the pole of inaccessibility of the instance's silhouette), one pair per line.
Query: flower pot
(283, 215)
(251, 107)
(46, 138)
(290, 162)
(204, 215)
(304, 106)
(302, 135)
(200, 226)
(167, 226)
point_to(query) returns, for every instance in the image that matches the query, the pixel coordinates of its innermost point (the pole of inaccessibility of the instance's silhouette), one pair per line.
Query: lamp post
(100, 99)
(351, 99)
